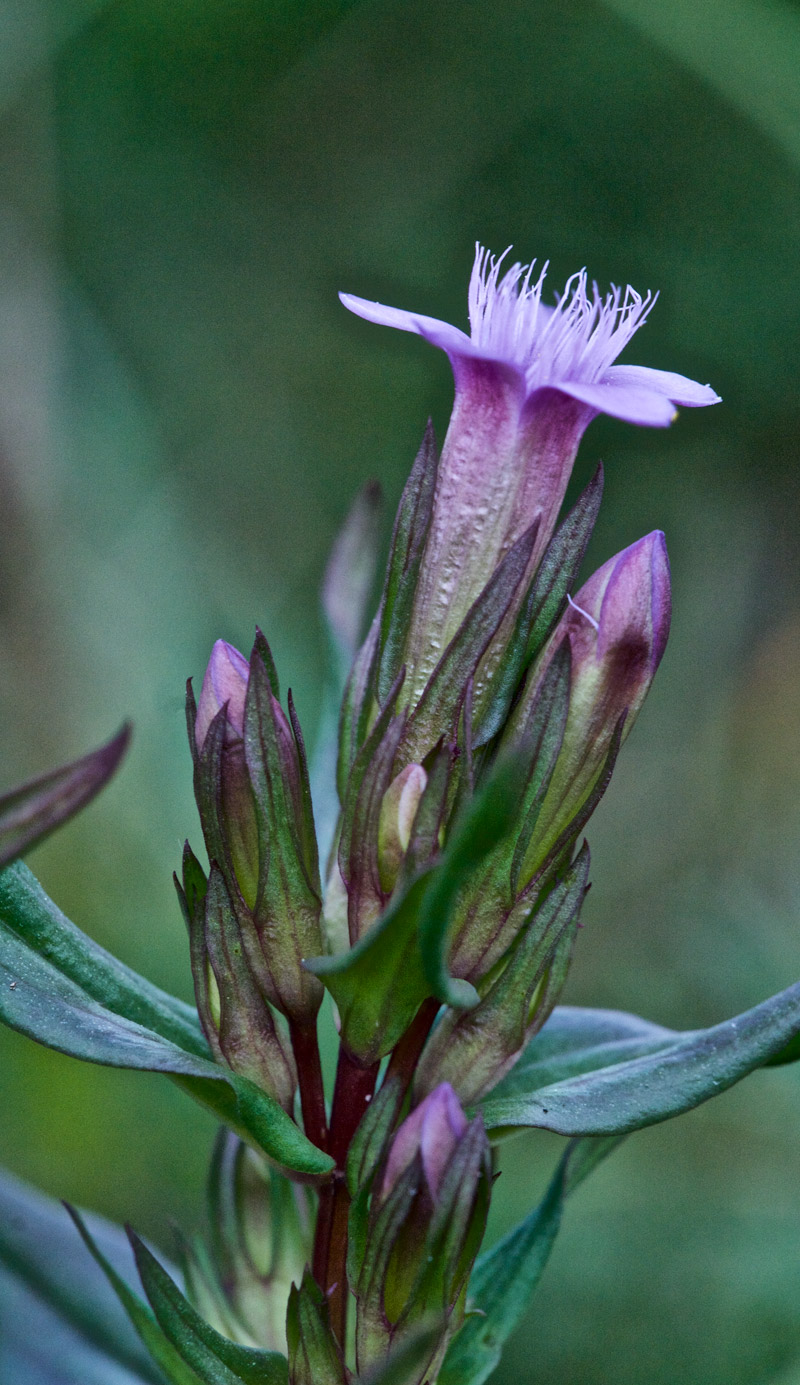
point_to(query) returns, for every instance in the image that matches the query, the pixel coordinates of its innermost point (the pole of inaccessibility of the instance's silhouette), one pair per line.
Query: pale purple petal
(444, 1125)
(679, 388)
(225, 681)
(441, 334)
(628, 402)
(432, 1131)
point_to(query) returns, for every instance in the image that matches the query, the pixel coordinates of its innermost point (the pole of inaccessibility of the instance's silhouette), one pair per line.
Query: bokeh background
(185, 413)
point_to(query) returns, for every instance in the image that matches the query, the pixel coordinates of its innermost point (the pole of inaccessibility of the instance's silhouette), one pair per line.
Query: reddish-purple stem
(354, 1088)
(309, 1073)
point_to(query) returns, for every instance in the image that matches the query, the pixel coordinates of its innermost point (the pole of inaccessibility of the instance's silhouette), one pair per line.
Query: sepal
(438, 709)
(237, 1019)
(472, 1050)
(542, 606)
(315, 1357)
(286, 911)
(408, 545)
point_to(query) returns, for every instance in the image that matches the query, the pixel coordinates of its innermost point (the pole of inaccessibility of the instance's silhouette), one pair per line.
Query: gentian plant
(479, 726)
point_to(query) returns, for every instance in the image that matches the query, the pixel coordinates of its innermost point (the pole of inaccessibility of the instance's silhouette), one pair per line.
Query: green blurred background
(185, 413)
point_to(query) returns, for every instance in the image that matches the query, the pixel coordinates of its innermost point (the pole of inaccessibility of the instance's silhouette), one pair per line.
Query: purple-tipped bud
(224, 685)
(432, 1131)
(426, 1222)
(251, 783)
(617, 627)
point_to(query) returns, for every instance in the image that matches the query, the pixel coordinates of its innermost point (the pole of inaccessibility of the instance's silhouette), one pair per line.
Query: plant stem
(409, 1049)
(309, 1074)
(354, 1087)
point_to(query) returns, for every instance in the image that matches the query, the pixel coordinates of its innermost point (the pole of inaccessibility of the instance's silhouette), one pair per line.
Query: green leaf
(681, 1074)
(161, 1349)
(379, 985)
(49, 991)
(486, 820)
(34, 810)
(575, 1041)
(215, 1358)
(505, 1276)
(58, 1316)
(28, 913)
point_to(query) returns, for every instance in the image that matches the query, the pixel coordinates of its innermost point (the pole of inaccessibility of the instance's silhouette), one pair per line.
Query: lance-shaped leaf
(176, 1370)
(30, 916)
(213, 1357)
(64, 991)
(34, 810)
(438, 709)
(379, 985)
(59, 1320)
(314, 1354)
(542, 606)
(472, 1049)
(576, 1040)
(486, 821)
(627, 1096)
(408, 545)
(505, 1276)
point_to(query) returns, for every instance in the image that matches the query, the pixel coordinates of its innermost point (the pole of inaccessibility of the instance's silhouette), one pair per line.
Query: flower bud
(433, 1132)
(251, 782)
(426, 1222)
(225, 687)
(398, 810)
(617, 629)
(236, 1018)
(261, 1234)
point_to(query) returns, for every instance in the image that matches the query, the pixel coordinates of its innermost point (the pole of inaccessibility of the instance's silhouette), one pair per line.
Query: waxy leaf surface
(51, 990)
(614, 1092)
(60, 1323)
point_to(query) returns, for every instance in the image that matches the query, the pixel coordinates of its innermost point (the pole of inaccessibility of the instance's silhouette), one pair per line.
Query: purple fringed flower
(529, 379)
